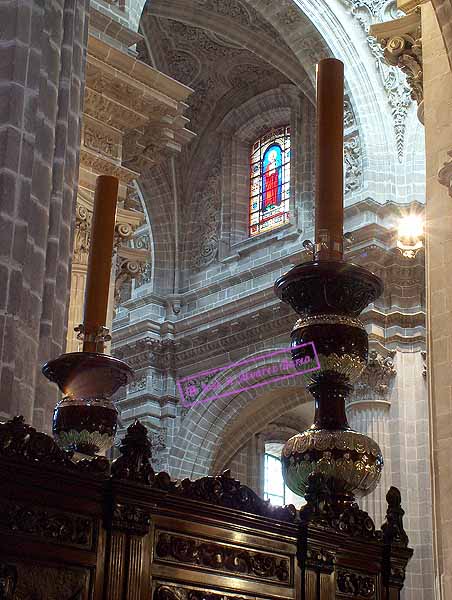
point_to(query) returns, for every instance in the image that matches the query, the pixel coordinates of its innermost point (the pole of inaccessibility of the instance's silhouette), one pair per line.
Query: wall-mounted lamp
(410, 235)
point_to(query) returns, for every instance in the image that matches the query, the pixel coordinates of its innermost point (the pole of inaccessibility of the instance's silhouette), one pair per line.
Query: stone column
(368, 413)
(438, 131)
(42, 49)
(371, 418)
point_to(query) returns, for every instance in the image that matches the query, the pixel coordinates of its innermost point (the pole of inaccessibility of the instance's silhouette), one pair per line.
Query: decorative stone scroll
(401, 41)
(372, 15)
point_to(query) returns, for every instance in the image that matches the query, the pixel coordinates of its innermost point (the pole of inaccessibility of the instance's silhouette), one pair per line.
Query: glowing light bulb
(411, 227)
(410, 235)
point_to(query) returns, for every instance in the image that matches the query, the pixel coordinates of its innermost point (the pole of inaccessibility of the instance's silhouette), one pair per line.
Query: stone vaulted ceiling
(223, 49)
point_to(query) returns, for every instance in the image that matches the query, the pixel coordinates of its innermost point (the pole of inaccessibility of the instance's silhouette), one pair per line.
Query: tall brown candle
(100, 258)
(329, 201)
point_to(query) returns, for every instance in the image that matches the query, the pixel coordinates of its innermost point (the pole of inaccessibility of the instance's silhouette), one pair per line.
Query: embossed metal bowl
(85, 420)
(341, 344)
(351, 461)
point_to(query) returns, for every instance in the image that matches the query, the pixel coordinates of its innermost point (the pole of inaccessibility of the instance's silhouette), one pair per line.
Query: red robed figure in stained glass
(271, 176)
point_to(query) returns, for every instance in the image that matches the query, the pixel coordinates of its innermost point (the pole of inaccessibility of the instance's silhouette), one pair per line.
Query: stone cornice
(138, 71)
(370, 404)
(409, 6)
(193, 346)
(382, 210)
(101, 22)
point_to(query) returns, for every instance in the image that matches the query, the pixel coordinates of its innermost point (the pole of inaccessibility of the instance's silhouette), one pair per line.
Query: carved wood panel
(222, 558)
(47, 524)
(38, 582)
(169, 591)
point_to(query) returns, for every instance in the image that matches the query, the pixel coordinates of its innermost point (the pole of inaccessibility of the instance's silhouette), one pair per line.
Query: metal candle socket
(85, 420)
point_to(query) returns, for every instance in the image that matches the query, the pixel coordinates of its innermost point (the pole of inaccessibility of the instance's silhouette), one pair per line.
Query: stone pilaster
(42, 49)
(129, 263)
(368, 413)
(438, 131)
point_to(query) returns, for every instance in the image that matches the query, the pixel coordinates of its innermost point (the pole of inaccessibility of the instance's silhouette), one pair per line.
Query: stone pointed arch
(158, 197)
(201, 432)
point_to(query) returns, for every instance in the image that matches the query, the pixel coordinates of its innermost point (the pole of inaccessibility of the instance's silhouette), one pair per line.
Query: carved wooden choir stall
(75, 525)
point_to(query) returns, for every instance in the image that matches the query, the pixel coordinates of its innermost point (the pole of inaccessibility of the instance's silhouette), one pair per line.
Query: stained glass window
(270, 181)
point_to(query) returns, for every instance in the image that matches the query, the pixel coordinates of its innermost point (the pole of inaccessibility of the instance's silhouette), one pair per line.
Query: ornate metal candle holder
(85, 420)
(329, 295)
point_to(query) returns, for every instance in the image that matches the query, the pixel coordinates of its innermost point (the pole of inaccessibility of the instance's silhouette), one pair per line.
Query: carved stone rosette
(329, 296)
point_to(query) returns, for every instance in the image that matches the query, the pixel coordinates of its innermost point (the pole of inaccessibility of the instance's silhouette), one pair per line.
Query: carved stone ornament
(355, 584)
(208, 198)
(8, 581)
(424, 364)
(393, 530)
(445, 173)
(51, 525)
(401, 41)
(148, 352)
(369, 13)
(82, 235)
(143, 242)
(21, 441)
(130, 265)
(352, 163)
(227, 559)
(377, 376)
(134, 462)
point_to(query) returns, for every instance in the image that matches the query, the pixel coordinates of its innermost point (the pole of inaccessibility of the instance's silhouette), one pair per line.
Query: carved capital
(401, 41)
(131, 264)
(375, 381)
